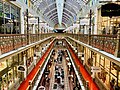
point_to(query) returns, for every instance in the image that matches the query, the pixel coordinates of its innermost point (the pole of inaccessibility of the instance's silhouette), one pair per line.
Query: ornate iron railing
(9, 42)
(106, 43)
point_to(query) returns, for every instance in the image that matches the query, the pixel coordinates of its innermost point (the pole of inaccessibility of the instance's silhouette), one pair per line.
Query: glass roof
(49, 9)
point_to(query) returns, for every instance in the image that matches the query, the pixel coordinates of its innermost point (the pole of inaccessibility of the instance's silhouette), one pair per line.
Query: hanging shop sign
(21, 68)
(33, 21)
(110, 9)
(95, 69)
(84, 22)
(41, 88)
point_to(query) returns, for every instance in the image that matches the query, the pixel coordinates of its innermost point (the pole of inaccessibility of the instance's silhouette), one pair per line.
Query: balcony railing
(106, 43)
(9, 42)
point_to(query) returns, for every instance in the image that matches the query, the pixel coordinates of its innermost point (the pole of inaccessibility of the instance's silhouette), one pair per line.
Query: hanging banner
(33, 21)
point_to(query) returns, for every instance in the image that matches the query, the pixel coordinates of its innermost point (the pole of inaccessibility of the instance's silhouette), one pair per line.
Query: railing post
(117, 50)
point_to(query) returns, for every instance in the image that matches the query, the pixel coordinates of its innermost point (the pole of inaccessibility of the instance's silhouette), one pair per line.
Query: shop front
(9, 75)
(107, 24)
(109, 76)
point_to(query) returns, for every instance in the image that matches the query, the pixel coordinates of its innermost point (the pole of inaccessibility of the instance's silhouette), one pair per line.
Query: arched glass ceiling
(49, 10)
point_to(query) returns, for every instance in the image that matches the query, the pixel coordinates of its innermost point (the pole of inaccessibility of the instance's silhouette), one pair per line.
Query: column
(33, 28)
(95, 16)
(22, 20)
(24, 59)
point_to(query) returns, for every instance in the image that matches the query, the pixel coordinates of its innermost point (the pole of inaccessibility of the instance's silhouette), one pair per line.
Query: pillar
(95, 27)
(22, 20)
(24, 59)
(33, 29)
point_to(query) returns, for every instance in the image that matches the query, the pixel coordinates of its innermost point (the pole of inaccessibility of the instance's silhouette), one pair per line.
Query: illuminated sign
(110, 9)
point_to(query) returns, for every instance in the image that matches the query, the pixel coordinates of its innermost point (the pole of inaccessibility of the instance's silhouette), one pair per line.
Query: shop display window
(107, 23)
(90, 61)
(102, 61)
(102, 75)
(29, 61)
(3, 65)
(10, 77)
(107, 64)
(4, 85)
(16, 58)
(98, 60)
(114, 69)
(113, 81)
(10, 61)
(15, 72)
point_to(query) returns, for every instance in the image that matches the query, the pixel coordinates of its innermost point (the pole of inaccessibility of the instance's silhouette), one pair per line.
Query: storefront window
(10, 61)
(102, 75)
(98, 60)
(10, 77)
(102, 61)
(114, 69)
(107, 24)
(3, 65)
(107, 64)
(16, 58)
(113, 81)
(15, 72)
(20, 58)
(4, 85)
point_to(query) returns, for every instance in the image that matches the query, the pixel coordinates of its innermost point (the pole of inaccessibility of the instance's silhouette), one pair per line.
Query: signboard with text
(95, 69)
(21, 68)
(33, 21)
